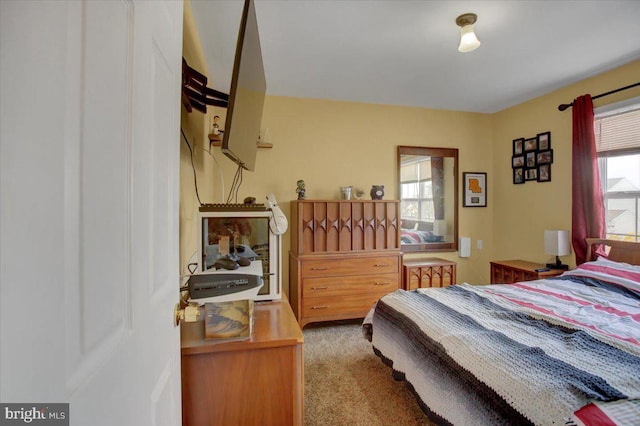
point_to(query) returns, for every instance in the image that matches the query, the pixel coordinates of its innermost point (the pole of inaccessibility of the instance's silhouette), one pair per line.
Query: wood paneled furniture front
(512, 271)
(344, 256)
(252, 382)
(427, 272)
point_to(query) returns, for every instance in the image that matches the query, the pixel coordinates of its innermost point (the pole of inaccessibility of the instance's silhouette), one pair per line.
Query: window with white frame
(617, 131)
(416, 196)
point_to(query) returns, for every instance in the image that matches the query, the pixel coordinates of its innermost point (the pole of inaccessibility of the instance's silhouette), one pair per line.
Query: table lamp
(556, 243)
(440, 227)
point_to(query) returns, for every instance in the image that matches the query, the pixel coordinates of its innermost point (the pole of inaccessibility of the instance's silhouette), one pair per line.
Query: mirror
(428, 192)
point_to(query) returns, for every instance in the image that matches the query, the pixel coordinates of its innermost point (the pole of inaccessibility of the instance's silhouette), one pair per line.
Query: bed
(562, 350)
(411, 236)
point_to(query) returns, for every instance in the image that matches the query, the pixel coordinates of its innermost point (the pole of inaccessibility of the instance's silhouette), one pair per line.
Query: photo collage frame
(532, 159)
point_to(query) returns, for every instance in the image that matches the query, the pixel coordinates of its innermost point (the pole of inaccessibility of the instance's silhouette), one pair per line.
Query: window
(617, 131)
(417, 196)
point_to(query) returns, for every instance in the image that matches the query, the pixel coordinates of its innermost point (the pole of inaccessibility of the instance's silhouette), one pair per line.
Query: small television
(246, 95)
(246, 234)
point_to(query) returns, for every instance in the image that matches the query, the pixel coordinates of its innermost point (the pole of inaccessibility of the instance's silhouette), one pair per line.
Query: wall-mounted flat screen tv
(246, 95)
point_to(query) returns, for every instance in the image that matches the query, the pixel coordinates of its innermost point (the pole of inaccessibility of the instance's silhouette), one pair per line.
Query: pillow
(608, 266)
(620, 265)
(617, 273)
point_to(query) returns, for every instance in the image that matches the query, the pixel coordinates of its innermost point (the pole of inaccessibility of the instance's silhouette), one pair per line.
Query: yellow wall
(523, 212)
(330, 144)
(194, 125)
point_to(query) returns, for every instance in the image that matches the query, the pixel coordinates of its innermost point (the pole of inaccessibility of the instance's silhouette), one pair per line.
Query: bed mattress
(529, 353)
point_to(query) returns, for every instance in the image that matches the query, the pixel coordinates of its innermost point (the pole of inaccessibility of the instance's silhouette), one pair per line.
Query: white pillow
(617, 273)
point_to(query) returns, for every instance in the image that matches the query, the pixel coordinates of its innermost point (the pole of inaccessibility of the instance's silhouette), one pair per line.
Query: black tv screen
(246, 95)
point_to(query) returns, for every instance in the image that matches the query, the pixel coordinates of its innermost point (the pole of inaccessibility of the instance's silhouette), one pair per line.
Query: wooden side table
(251, 382)
(427, 272)
(511, 271)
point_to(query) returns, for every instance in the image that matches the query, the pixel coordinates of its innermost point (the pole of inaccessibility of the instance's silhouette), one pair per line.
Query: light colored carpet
(345, 383)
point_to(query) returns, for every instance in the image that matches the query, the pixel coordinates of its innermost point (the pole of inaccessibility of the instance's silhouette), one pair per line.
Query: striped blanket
(529, 353)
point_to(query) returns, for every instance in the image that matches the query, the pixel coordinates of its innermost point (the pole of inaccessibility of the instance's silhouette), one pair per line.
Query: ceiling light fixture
(468, 39)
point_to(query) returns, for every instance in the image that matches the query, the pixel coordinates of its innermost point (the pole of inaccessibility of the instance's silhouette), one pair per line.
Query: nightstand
(258, 381)
(427, 272)
(511, 271)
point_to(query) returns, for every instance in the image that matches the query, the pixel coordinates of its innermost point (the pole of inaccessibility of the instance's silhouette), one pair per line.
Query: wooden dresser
(251, 382)
(344, 256)
(427, 272)
(512, 271)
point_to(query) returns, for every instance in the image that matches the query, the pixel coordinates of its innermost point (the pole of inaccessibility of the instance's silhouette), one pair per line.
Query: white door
(89, 157)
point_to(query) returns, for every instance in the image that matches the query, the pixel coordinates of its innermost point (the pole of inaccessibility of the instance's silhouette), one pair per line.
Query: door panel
(103, 162)
(163, 149)
(89, 198)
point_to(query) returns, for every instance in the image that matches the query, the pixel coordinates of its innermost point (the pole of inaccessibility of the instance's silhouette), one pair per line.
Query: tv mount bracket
(196, 94)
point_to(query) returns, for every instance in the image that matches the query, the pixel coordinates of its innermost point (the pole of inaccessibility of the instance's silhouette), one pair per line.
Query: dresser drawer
(353, 306)
(428, 272)
(342, 286)
(513, 271)
(349, 266)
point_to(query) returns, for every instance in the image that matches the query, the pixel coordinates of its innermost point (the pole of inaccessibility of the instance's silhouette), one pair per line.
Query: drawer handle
(319, 288)
(381, 283)
(313, 308)
(323, 268)
(381, 265)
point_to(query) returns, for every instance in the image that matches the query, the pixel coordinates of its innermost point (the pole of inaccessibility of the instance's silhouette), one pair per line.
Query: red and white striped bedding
(624, 412)
(600, 299)
(596, 310)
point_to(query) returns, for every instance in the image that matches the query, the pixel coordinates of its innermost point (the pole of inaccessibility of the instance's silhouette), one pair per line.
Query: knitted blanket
(529, 353)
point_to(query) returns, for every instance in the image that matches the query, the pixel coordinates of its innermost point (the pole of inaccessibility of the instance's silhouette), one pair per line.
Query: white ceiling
(404, 52)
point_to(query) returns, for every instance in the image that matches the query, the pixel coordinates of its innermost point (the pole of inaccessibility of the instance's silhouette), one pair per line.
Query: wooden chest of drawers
(427, 272)
(344, 287)
(512, 271)
(344, 256)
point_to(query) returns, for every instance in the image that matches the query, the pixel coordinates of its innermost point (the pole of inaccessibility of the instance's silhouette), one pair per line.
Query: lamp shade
(440, 227)
(468, 39)
(556, 242)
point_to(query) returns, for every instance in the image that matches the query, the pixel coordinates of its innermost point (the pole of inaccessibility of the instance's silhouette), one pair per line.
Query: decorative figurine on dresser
(345, 255)
(377, 192)
(300, 190)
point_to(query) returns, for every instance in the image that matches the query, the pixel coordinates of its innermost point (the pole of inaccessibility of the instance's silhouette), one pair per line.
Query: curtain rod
(562, 107)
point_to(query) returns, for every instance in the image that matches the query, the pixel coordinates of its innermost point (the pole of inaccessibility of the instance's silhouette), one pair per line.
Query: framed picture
(474, 189)
(518, 146)
(544, 157)
(531, 174)
(517, 161)
(530, 159)
(530, 144)
(544, 173)
(518, 175)
(544, 141)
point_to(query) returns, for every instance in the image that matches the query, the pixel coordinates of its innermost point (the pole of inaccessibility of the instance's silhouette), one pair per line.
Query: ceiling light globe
(468, 39)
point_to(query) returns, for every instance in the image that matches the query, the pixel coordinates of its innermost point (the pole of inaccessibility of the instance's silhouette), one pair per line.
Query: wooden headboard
(620, 251)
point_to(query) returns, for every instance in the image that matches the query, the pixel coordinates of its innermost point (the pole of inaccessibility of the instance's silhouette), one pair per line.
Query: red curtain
(588, 217)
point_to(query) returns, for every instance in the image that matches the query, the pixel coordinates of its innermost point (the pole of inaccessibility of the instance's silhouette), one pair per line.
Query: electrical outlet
(479, 244)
